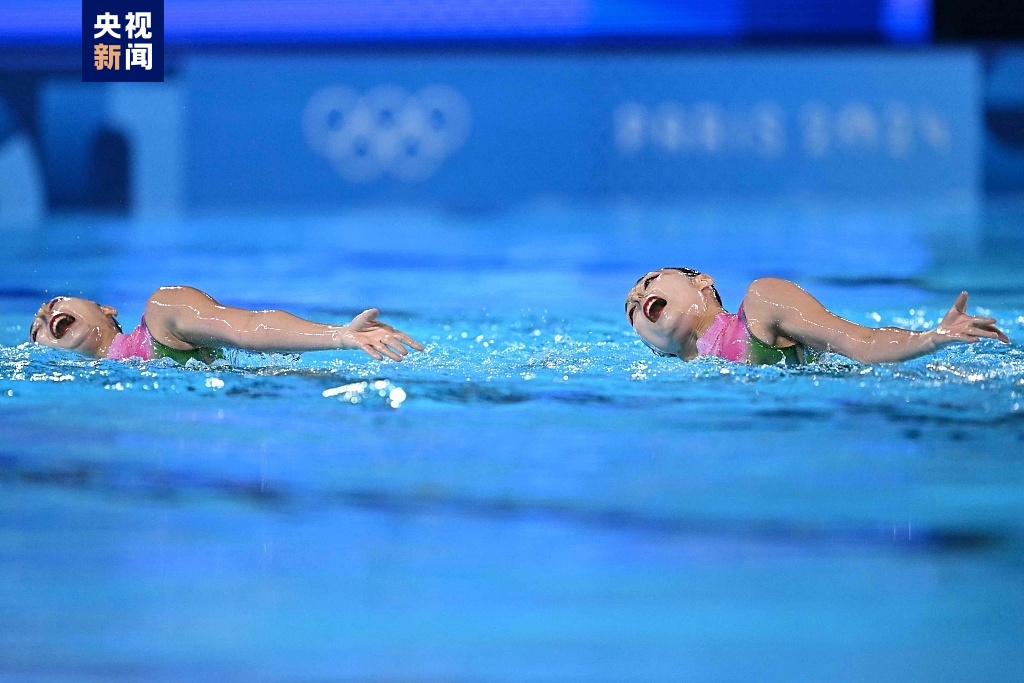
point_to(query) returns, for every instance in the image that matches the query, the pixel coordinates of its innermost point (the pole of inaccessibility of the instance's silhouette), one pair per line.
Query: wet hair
(689, 272)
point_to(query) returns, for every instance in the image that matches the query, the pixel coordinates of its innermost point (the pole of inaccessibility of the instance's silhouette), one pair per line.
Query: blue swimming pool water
(534, 497)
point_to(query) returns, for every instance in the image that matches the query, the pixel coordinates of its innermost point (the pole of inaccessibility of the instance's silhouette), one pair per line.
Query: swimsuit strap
(726, 338)
(136, 344)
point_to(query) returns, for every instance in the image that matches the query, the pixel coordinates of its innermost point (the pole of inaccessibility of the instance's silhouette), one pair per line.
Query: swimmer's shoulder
(765, 300)
(765, 293)
(165, 299)
(176, 294)
(164, 305)
(771, 285)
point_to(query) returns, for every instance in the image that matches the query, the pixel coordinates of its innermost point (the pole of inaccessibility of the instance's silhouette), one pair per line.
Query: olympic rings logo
(387, 130)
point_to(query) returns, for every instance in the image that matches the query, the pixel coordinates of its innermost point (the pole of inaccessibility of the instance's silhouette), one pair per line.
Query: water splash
(501, 360)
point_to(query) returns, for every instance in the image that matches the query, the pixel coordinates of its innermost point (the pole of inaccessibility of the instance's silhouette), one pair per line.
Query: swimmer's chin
(88, 351)
(83, 349)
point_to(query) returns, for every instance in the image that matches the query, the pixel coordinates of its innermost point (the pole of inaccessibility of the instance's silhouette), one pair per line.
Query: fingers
(988, 324)
(961, 303)
(979, 332)
(977, 326)
(395, 345)
(401, 338)
(396, 342)
(968, 337)
(369, 350)
(377, 350)
(408, 341)
(367, 323)
(993, 332)
(367, 317)
(1000, 335)
(381, 347)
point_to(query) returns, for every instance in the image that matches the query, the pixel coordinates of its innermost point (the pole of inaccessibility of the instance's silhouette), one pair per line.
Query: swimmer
(678, 312)
(183, 323)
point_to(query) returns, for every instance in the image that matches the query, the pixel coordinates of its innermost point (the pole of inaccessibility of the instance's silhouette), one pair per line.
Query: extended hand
(957, 326)
(378, 339)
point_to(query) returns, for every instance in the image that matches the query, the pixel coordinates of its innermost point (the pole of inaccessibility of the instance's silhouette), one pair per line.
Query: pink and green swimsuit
(139, 343)
(730, 338)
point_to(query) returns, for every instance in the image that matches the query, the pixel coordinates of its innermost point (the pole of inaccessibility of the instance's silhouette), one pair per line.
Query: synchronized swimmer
(184, 323)
(676, 311)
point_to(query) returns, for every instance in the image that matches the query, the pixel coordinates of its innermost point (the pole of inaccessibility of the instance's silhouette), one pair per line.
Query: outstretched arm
(185, 318)
(781, 309)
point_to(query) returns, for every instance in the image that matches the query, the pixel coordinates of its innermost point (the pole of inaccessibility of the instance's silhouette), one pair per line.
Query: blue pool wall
(273, 134)
(587, 127)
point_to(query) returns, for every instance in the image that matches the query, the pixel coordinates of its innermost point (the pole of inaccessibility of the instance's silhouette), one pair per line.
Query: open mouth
(653, 308)
(60, 323)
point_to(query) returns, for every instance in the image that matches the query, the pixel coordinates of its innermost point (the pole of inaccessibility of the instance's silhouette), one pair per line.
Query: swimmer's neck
(106, 337)
(705, 320)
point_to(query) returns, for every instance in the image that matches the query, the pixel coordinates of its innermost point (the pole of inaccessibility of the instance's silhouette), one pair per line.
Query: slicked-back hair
(689, 272)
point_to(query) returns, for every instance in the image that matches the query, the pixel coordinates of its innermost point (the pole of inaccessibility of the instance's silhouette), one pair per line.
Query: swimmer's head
(75, 324)
(666, 306)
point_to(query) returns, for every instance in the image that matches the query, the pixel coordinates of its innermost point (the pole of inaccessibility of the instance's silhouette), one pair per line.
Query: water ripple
(493, 360)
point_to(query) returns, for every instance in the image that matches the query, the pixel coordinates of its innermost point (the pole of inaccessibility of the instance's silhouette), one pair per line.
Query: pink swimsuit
(137, 344)
(727, 337)
(140, 344)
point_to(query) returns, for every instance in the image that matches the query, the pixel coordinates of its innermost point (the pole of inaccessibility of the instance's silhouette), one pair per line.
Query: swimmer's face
(664, 308)
(75, 324)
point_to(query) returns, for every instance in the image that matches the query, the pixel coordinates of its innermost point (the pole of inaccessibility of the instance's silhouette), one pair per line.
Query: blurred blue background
(285, 106)
(535, 497)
